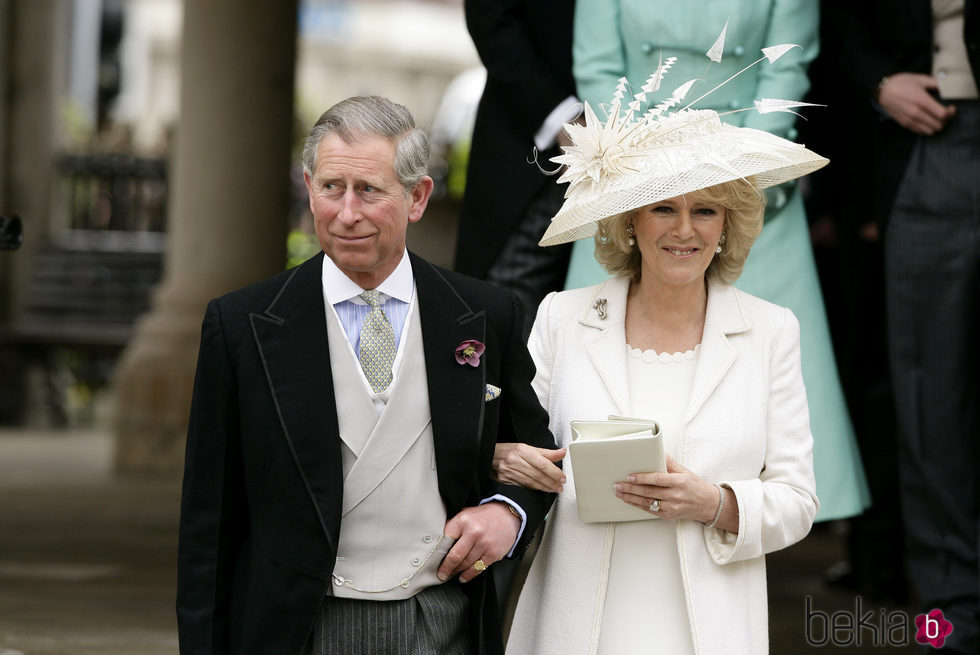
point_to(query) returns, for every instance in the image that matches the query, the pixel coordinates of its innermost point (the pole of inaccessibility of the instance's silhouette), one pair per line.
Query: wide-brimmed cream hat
(634, 159)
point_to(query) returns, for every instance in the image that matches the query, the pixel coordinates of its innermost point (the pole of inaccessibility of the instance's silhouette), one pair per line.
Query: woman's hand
(527, 466)
(681, 494)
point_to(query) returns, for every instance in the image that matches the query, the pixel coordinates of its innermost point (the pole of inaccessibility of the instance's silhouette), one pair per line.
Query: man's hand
(527, 466)
(905, 97)
(483, 533)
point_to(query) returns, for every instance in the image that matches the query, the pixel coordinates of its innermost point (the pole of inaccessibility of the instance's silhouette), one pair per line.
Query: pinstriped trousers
(432, 622)
(932, 276)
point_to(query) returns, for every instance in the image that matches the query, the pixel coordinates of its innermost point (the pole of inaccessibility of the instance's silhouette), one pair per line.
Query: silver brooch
(600, 307)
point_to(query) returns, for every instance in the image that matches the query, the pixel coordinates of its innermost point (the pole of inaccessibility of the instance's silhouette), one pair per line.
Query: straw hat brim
(699, 162)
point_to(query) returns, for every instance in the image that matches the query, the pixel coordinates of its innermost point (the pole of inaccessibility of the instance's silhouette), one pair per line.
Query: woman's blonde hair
(744, 206)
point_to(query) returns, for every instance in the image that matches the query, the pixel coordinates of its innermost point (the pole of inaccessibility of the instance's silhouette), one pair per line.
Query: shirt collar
(337, 287)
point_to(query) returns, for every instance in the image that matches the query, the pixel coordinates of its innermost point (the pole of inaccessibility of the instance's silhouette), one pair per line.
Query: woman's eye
(706, 211)
(662, 209)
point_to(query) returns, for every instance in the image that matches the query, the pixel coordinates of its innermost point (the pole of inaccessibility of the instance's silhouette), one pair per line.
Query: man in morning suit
(919, 62)
(336, 495)
(526, 46)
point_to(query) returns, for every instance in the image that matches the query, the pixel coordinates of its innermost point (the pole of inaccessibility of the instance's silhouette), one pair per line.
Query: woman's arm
(527, 466)
(776, 509)
(522, 464)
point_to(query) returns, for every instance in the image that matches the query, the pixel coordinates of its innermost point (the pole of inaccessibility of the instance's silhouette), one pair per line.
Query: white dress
(645, 609)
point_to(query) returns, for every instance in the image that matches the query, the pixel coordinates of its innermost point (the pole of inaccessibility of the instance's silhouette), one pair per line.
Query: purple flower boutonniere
(469, 352)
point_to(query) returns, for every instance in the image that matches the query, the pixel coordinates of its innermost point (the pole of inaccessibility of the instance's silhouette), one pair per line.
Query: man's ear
(309, 189)
(420, 194)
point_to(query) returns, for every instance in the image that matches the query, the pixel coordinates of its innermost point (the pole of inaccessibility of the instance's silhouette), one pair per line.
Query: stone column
(31, 73)
(229, 207)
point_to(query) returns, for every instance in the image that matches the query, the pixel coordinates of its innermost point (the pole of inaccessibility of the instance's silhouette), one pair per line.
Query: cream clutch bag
(603, 453)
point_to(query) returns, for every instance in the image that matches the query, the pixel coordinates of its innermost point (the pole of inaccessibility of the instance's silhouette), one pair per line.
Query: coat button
(416, 562)
(338, 581)
(405, 583)
(646, 47)
(427, 538)
(739, 50)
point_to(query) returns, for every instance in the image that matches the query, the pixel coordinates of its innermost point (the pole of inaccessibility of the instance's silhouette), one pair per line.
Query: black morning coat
(526, 46)
(263, 482)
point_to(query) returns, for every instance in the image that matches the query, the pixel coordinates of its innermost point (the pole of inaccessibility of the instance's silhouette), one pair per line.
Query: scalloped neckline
(651, 355)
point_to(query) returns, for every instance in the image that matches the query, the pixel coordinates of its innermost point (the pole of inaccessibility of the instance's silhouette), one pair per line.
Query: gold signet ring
(479, 565)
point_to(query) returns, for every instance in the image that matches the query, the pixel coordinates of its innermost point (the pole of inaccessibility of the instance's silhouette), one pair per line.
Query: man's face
(360, 210)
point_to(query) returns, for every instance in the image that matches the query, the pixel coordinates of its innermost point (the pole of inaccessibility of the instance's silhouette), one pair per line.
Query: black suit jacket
(261, 506)
(526, 47)
(870, 39)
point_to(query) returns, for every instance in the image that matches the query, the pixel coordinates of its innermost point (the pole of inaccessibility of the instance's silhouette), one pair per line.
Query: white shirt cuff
(548, 132)
(520, 510)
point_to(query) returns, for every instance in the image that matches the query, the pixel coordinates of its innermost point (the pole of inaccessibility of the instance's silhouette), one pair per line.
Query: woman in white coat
(677, 206)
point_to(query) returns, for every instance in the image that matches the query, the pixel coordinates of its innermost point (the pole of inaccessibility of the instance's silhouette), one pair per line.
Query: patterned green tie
(377, 350)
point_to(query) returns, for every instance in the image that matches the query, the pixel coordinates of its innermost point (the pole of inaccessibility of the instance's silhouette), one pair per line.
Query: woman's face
(677, 239)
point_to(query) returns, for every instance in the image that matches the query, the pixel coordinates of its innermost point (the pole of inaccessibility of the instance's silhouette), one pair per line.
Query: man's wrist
(881, 85)
(515, 510)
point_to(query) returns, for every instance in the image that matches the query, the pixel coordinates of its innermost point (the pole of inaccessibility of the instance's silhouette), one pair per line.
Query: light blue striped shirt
(396, 292)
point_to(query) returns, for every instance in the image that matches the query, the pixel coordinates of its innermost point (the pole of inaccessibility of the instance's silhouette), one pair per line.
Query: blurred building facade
(142, 131)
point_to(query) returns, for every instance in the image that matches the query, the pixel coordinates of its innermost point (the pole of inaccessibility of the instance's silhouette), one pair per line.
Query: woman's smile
(683, 253)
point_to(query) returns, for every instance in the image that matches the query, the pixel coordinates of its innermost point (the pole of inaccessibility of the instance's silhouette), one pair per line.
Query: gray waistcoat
(393, 515)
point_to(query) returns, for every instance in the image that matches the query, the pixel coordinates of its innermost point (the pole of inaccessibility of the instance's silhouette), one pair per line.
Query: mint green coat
(617, 38)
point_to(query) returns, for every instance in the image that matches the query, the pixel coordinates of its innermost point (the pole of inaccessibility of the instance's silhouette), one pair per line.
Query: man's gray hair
(373, 116)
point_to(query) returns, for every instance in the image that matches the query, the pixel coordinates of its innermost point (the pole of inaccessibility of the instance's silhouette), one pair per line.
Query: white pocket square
(491, 393)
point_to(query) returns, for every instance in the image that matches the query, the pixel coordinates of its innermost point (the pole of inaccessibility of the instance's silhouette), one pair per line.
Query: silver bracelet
(721, 506)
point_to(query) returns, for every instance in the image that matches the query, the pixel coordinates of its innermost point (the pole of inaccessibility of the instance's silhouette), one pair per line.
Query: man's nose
(349, 211)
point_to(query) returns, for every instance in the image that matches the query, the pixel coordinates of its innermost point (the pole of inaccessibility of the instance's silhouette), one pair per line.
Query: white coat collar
(724, 316)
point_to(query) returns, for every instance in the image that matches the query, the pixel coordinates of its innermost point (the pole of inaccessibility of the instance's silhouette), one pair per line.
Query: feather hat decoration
(634, 157)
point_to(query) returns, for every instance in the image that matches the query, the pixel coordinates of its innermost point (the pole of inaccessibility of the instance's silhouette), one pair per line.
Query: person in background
(918, 64)
(526, 46)
(626, 38)
(336, 496)
(850, 260)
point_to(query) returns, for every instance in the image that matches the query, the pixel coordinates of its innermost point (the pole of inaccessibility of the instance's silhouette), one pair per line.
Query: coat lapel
(291, 336)
(723, 317)
(456, 392)
(607, 349)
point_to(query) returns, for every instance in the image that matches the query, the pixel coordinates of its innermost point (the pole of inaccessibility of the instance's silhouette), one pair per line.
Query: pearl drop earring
(721, 242)
(631, 232)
